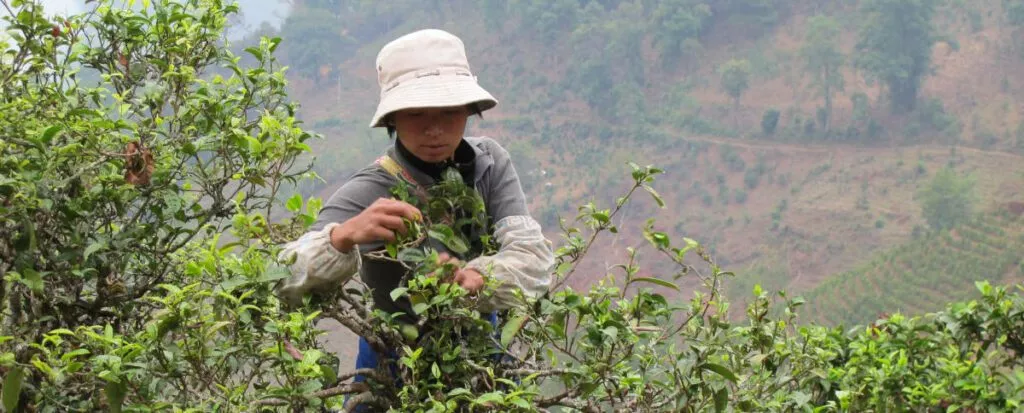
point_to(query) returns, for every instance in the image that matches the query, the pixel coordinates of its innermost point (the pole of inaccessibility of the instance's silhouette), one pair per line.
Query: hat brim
(432, 92)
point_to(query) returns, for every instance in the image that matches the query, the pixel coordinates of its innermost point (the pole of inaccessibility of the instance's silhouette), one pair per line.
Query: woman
(427, 93)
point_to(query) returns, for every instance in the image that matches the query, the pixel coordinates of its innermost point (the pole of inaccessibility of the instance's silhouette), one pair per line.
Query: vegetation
(735, 78)
(142, 176)
(948, 200)
(316, 47)
(824, 59)
(921, 276)
(894, 47)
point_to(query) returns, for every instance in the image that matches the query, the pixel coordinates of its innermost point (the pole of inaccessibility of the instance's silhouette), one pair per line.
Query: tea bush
(142, 217)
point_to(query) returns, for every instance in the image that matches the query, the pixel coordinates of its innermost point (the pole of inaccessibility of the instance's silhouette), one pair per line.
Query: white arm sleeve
(317, 264)
(523, 263)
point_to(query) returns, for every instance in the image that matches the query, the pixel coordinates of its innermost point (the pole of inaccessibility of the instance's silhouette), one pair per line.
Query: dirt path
(836, 147)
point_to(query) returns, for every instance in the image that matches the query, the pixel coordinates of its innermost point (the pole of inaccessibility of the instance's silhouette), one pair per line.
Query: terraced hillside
(922, 275)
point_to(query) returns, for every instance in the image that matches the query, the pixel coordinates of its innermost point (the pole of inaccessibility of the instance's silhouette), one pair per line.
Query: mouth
(435, 147)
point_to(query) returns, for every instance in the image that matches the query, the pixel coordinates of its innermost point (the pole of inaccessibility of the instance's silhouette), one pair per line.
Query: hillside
(587, 85)
(916, 277)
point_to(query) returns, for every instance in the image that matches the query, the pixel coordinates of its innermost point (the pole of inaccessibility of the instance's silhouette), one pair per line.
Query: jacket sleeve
(523, 263)
(315, 263)
(525, 260)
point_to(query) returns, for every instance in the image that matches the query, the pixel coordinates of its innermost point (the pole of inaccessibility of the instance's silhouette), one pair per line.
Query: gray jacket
(523, 262)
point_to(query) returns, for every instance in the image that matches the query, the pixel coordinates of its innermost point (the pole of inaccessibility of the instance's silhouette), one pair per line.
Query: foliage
(545, 19)
(894, 47)
(753, 17)
(769, 121)
(735, 78)
(315, 44)
(824, 59)
(142, 217)
(678, 24)
(948, 199)
(1014, 11)
(122, 165)
(613, 91)
(922, 275)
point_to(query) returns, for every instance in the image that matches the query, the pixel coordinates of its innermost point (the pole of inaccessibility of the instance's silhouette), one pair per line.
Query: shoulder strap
(395, 170)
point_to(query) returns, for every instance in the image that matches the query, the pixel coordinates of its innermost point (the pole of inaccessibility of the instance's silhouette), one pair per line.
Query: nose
(433, 131)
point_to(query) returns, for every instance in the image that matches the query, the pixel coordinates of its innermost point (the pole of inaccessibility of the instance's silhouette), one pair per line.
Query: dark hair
(474, 109)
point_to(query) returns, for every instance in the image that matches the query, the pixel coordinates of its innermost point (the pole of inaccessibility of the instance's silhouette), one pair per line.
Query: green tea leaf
(255, 52)
(294, 203)
(657, 281)
(511, 328)
(419, 303)
(655, 195)
(491, 397)
(115, 395)
(457, 245)
(32, 279)
(721, 370)
(12, 388)
(398, 292)
(274, 273)
(50, 133)
(93, 248)
(412, 255)
(721, 399)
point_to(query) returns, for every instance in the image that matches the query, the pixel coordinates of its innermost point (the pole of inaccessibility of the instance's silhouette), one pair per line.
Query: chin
(434, 156)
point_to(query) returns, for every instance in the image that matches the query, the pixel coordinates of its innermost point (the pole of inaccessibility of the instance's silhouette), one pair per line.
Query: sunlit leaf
(512, 327)
(12, 388)
(657, 281)
(721, 370)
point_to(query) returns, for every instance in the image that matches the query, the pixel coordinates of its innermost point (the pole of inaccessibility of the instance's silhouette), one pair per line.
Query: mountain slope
(586, 86)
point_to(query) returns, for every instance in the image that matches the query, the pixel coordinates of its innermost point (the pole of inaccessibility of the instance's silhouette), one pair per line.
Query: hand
(378, 222)
(467, 278)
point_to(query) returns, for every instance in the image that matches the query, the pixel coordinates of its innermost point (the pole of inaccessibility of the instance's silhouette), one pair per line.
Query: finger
(383, 234)
(471, 280)
(392, 223)
(400, 208)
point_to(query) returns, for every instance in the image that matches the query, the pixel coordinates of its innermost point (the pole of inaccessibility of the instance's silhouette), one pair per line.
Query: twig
(593, 237)
(348, 388)
(539, 373)
(357, 400)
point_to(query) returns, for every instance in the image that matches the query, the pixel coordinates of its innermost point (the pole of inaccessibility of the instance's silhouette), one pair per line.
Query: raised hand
(378, 222)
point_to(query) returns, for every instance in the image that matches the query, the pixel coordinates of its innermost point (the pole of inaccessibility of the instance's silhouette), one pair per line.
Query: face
(432, 134)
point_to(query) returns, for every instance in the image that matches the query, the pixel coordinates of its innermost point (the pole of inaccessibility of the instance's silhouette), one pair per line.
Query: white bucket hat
(426, 68)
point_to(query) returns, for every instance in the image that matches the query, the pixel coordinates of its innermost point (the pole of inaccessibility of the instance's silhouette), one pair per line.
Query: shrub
(140, 261)
(741, 196)
(769, 121)
(752, 177)
(732, 159)
(135, 195)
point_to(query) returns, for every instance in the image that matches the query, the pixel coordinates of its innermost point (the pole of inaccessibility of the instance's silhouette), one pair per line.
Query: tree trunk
(828, 100)
(736, 113)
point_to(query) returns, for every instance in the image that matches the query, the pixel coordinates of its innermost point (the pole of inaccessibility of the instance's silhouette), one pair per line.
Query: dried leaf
(139, 164)
(292, 350)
